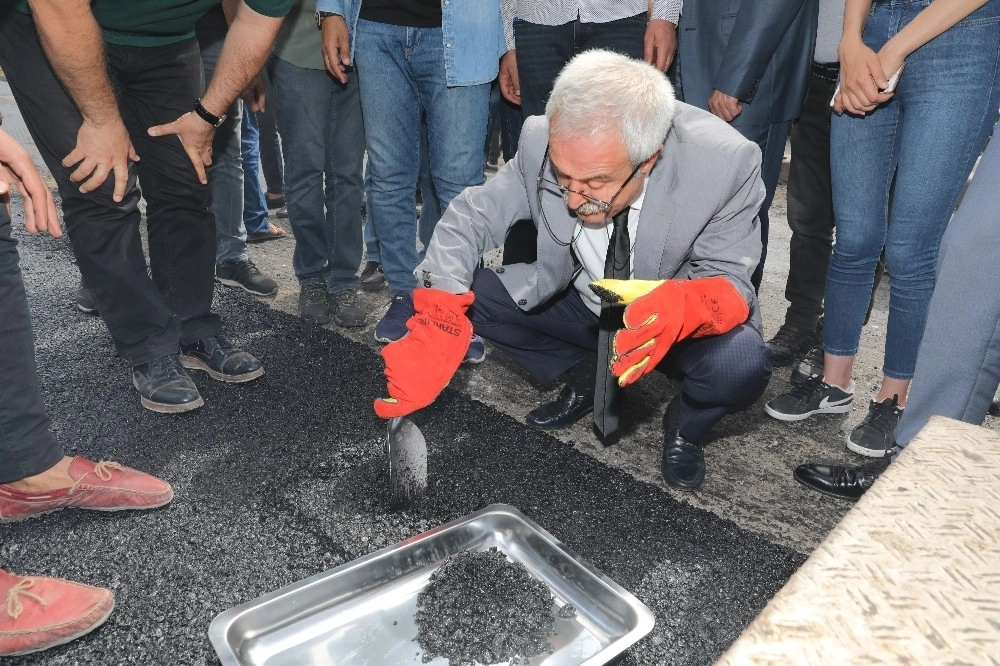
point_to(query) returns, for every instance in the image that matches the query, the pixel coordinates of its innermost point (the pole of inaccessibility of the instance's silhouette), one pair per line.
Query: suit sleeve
(758, 30)
(477, 220)
(730, 245)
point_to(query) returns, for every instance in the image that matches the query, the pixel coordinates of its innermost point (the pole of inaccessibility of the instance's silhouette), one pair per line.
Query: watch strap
(207, 115)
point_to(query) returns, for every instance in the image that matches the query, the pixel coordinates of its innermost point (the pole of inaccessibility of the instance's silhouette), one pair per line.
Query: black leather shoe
(683, 464)
(564, 411)
(217, 356)
(165, 387)
(843, 482)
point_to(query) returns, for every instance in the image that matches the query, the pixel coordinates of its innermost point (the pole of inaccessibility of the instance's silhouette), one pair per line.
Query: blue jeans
(254, 202)
(401, 73)
(927, 137)
(324, 143)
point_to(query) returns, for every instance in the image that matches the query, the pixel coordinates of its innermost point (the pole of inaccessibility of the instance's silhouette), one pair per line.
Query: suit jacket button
(523, 301)
(499, 269)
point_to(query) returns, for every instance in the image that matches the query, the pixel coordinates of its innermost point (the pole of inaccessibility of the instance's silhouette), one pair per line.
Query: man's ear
(647, 166)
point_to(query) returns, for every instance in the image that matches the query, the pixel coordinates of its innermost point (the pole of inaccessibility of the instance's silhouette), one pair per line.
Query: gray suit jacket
(698, 219)
(758, 51)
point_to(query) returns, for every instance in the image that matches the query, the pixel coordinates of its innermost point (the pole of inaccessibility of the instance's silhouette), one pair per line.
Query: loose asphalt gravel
(286, 477)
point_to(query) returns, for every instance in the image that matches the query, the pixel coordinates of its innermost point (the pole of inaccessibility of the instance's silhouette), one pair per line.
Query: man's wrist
(208, 116)
(322, 15)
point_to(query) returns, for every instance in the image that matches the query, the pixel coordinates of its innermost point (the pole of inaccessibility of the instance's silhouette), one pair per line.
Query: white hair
(601, 90)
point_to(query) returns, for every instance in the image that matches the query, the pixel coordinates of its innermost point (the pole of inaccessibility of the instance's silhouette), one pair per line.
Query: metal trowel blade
(407, 462)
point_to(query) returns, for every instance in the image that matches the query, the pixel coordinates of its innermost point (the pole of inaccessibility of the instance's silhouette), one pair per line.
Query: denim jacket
(473, 37)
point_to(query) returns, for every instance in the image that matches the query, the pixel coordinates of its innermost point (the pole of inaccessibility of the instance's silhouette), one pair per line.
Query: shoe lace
(102, 471)
(249, 269)
(814, 357)
(809, 388)
(314, 293)
(346, 297)
(165, 364)
(787, 336)
(884, 415)
(14, 594)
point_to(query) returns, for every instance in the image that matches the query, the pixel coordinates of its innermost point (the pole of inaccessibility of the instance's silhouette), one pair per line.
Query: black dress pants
(149, 312)
(26, 445)
(719, 375)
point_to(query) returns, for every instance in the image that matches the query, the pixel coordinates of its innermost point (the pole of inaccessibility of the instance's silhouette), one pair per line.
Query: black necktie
(617, 264)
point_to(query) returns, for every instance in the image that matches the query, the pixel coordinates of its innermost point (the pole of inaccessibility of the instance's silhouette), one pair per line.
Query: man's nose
(574, 199)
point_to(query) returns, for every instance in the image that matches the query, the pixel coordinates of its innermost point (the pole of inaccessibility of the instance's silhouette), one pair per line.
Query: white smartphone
(890, 87)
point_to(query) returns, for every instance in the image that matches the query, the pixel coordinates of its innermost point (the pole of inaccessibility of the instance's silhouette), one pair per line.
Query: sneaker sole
(90, 311)
(192, 363)
(349, 323)
(868, 453)
(385, 341)
(833, 409)
(234, 283)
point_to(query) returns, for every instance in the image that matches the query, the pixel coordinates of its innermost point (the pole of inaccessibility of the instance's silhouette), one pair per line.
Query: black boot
(221, 360)
(165, 387)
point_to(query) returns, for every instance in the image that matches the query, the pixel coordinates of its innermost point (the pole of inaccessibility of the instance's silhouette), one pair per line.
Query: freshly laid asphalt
(285, 477)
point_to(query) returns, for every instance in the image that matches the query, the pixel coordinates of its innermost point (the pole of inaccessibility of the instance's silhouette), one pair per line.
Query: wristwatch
(322, 15)
(207, 115)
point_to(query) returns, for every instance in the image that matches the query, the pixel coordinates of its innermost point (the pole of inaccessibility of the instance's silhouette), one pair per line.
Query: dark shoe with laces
(875, 436)
(313, 303)
(838, 481)
(345, 310)
(789, 343)
(813, 396)
(564, 411)
(243, 273)
(392, 326)
(85, 300)
(683, 463)
(221, 360)
(372, 277)
(165, 387)
(810, 365)
(476, 353)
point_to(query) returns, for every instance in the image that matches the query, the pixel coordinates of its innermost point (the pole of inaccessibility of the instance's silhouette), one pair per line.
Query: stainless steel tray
(361, 613)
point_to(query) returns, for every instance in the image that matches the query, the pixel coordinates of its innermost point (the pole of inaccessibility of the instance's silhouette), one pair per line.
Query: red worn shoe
(40, 613)
(103, 486)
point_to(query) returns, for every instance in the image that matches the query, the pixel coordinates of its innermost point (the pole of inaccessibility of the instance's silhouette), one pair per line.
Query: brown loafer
(39, 613)
(274, 232)
(103, 486)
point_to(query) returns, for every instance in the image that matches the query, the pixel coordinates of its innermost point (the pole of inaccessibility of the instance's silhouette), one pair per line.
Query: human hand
(862, 77)
(510, 81)
(419, 365)
(253, 95)
(101, 149)
(336, 47)
(660, 44)
(196, 139)
(724, 106)
(17, 169)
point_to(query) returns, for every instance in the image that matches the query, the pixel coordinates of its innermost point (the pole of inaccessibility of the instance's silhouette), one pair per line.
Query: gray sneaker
(372, 277)
(245, 275)
(813, 396)
(345, 309)
(313, 305)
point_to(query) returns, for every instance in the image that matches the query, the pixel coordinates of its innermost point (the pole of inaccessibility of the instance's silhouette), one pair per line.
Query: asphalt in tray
(286, 477)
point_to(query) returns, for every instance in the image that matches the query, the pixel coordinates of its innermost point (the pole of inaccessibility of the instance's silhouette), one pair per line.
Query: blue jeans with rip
(922, 143)
(324, 143)
(402, 77)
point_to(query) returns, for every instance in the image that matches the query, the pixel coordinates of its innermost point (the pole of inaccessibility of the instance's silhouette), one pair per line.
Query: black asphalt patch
(286, 477)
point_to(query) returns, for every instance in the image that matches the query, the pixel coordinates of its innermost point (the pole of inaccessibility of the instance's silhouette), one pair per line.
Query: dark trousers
(147, 315)
(26, 445)
(719, 375)
(771, 140)
(543, 50)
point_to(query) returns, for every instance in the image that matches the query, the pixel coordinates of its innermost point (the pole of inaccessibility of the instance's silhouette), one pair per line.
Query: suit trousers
(719, 375)
(148, 311)
(958, 362)
(27, 447)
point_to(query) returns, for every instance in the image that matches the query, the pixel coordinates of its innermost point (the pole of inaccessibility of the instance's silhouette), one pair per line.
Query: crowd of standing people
(642, 143)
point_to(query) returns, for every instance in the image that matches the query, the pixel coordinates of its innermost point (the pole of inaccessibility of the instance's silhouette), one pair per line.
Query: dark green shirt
(158, 22)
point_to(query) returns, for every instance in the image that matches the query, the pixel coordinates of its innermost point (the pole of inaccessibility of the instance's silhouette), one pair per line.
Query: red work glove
(673, 311)
(419, 365)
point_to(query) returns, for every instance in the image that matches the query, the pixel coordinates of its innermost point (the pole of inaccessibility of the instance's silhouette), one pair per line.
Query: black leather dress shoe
(564, 411)
(683, 464)
(843, 482)
(217, 356)
(165, 387)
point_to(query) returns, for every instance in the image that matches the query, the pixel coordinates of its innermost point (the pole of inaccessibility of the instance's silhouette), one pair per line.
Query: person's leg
(27, 447)
(958, 364)
(542, 52)
(430, 205)
(104, 233)
(254, 202)
(391, 107)
(271, 158)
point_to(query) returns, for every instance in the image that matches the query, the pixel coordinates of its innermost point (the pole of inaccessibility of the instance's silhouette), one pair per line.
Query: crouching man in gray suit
(622, 183)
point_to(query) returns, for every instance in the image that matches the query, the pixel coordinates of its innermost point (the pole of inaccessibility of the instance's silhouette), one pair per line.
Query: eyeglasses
(604, 206)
